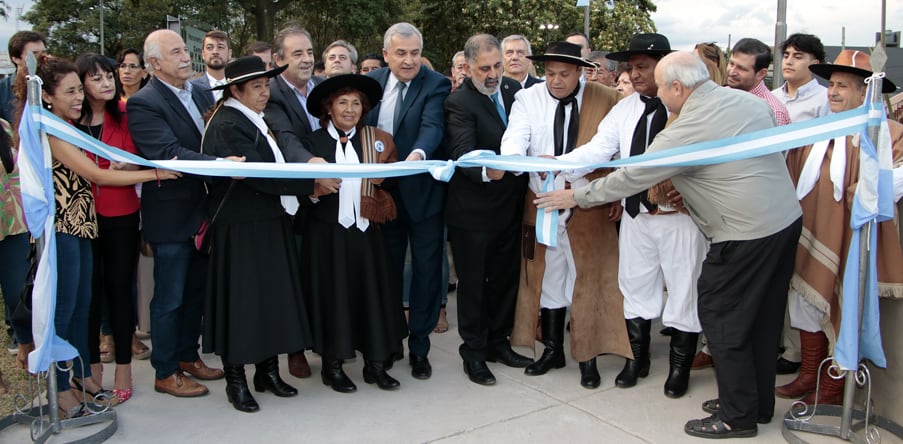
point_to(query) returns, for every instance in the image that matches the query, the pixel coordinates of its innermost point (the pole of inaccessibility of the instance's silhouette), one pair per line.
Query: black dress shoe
(478, 372)
(509, 357)
(420, 367)
(785, 367)
(375, 372)
(335, 377)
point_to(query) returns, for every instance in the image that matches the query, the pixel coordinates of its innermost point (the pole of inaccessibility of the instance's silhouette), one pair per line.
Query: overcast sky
(687, 22)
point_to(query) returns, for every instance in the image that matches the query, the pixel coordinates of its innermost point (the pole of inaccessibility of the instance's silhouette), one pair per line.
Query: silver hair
(457, 54)
(152, 49)
(684, 67)
(351, 50)
(599, 57)
(514, 37)
(403, 30)
(479, 43)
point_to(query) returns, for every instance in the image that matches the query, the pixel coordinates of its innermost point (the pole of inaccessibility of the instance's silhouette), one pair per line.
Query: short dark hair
(291, 28)
(218, 35)
(258, 46)
(374, 56)
(755, 48)
(807, 43)
(18, 41)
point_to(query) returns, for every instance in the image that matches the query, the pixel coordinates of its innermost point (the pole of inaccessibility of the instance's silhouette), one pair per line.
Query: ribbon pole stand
(39, 409)
(855, 425)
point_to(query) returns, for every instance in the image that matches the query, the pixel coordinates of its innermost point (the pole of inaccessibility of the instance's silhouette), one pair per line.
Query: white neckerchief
(290, 203)
(812, 167)
(350, 189)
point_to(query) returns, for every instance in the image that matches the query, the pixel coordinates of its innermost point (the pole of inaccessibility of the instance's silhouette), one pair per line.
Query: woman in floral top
(76, 225)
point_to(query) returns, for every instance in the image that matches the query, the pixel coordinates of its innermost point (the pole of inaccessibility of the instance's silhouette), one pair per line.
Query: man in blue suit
(412, 111)
(165, 122)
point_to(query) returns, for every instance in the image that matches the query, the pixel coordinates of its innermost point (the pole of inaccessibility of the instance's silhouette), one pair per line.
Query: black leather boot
(267, 378)
(237, 391)
(335, 377)
(375, 371)
(683, 348)
(552, 324)
(589, 374)
(638, 367)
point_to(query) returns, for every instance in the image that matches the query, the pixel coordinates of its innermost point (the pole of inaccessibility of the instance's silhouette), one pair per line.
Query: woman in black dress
(346, 277)
(254, 307)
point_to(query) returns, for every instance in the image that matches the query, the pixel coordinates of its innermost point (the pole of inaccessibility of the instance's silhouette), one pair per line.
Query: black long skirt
(254, 307)
(346, 284)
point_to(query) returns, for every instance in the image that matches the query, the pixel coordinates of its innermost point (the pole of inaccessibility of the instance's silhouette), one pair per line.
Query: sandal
(107, 351)
(100, 397)
(139, 349)
(77, 411)
(713, 405)
(122, 395)
(714, 428)
(442, 324)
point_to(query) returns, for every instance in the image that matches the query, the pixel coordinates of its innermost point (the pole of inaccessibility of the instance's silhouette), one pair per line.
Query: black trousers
(115, 270)
(488, 271)
(742, 297)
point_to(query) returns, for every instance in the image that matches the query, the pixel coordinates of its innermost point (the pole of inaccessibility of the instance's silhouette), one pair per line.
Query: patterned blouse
(12, 217)
(74, 203)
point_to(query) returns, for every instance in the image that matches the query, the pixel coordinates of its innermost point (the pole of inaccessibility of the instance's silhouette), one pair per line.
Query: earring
(49, 106)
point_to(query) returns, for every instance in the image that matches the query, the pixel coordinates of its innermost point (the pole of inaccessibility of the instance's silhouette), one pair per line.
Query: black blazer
(532, 81)
(171, 210)
(422, 126)
(202, 84)
(288, 120)
(230, 133)
(473, 123)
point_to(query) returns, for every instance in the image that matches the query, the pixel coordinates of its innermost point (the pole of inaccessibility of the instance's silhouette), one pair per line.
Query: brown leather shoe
(298, 366)
(180, 386)
(702, 360)
(200, 370)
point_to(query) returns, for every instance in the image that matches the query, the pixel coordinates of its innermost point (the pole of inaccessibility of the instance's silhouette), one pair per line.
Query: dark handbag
(202, 241)
(21, 315)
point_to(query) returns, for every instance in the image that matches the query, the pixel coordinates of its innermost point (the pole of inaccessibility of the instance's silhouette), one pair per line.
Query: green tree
(448, 24)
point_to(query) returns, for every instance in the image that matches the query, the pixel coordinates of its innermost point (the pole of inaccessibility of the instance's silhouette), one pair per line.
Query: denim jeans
(74, 265)
(180, 282)
(13, 270)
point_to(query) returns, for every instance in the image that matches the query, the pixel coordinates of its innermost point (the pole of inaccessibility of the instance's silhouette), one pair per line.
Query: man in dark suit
(483, 213)
(515, 49)
(215, 52)
(412, 111)
(286, 111)
(165, 122)
(287, 116)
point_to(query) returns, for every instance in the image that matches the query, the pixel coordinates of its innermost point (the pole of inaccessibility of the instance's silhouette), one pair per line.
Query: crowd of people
(251, 268)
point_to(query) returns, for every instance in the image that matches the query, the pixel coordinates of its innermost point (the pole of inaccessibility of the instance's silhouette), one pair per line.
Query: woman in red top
(116, 248)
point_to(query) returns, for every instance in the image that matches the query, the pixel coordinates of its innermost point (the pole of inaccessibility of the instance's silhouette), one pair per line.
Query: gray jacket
(740, 200)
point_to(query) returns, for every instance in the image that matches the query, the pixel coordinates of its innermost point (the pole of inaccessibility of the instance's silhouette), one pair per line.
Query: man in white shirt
(579, 272)
(215, 52)
(659, 245)
(803, 96)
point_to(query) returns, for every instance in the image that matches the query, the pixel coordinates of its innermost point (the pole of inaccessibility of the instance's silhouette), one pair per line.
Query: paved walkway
(447, 408)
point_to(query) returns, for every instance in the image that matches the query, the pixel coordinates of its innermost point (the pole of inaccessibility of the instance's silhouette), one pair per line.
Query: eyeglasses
(130, 66)
(593, 72)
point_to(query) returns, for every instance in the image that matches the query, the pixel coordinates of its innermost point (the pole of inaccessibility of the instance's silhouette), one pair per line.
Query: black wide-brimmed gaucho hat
(564, 52)
(646, 43)
(367, 85)
(245, 69)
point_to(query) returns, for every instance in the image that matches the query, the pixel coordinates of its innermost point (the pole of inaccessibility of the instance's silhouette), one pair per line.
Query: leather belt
(659, 212)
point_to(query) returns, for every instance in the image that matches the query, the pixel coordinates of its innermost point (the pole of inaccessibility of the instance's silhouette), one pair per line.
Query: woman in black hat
(254, 309)
(346, 275)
